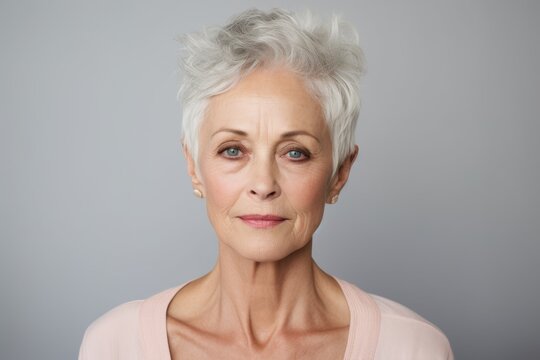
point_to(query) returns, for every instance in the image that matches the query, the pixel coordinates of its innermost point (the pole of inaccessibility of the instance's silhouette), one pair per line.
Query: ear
(342, 175)
(192, 169)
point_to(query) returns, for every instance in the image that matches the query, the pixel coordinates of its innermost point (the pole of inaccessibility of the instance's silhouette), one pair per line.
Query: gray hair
(326, 55)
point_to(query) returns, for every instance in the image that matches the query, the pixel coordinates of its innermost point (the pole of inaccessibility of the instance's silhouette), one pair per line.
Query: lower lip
(262, 224)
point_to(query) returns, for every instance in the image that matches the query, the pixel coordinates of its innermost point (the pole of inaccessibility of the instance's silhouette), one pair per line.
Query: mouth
(262, 221)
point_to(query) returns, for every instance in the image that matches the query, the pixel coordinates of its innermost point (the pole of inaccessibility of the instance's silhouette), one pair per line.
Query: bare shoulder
(114, 335)
(404, 334)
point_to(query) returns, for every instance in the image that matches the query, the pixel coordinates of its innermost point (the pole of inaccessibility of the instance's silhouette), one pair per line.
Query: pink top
(379, 329)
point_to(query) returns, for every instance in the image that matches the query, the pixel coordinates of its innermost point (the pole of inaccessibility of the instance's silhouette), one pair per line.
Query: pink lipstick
(262, 221)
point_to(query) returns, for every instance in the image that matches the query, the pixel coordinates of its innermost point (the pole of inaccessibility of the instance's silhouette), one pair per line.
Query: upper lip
(267, 217)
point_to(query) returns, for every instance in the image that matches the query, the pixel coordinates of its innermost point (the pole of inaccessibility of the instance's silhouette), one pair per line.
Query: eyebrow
(234, 131)
(294, 133)
(288, 134)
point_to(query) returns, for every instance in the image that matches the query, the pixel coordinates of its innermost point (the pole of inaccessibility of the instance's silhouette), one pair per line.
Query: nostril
(270, 194)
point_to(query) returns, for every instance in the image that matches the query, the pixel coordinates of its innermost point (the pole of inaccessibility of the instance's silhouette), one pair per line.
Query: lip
(262, 221)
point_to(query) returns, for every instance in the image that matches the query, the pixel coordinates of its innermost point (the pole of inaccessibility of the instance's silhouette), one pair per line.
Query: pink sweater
(379, 329)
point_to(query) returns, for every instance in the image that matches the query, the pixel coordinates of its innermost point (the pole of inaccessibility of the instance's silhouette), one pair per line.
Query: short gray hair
(326, 55)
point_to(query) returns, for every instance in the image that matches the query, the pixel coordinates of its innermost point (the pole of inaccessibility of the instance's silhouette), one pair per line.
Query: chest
(187, 342)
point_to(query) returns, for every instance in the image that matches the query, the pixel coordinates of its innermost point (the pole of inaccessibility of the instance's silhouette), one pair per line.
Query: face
(265, 165)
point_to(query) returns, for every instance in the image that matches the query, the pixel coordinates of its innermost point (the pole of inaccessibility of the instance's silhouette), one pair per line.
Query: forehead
(273, 98)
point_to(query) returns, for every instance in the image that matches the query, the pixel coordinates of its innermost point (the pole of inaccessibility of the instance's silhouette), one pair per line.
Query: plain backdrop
(441, 212)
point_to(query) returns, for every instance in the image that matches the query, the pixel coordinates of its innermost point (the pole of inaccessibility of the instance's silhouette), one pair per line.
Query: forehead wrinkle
(261, 126)
(264, 121)
(248, 109)
(259, 100)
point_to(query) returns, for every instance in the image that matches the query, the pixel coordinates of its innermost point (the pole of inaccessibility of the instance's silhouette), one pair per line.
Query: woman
(270, 103)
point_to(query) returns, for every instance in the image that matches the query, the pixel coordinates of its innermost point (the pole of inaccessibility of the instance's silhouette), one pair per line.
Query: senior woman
(270, 103)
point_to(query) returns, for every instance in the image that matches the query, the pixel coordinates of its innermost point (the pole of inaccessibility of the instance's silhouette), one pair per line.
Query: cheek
(306, 189)
(307, 194)
(222, 188)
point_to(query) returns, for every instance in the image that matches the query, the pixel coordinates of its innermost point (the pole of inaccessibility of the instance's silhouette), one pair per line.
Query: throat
(266, 306)
(256, 307)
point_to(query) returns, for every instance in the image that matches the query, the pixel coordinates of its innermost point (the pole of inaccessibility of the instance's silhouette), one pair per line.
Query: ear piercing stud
(198, 193)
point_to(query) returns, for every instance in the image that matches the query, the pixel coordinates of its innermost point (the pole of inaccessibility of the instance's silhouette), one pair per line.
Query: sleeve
(406, 335)
(113, 336)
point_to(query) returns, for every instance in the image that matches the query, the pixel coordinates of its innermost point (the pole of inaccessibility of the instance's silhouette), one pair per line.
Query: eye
(297, 155)
(231, 152)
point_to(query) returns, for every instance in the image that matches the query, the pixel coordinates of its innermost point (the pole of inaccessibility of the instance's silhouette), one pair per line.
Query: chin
(263, 249)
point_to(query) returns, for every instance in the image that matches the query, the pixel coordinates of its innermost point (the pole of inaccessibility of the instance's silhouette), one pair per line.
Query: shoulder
(114, 335)
(406, 335)
(129, 330)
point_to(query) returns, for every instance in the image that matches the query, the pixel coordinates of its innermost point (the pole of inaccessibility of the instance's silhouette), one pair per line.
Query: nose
(263, 184)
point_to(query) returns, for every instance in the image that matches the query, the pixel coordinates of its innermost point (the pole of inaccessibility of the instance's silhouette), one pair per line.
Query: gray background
(441, 212)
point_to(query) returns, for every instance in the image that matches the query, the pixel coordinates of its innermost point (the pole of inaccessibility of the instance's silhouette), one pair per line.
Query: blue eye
(231, 152)
(295, 154)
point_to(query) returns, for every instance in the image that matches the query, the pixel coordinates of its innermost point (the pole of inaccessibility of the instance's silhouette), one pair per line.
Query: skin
(264, 149)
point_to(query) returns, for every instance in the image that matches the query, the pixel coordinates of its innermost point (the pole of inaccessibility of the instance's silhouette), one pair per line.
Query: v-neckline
(364, 323)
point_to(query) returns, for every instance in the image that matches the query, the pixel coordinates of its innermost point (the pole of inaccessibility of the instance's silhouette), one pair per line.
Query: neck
(260, 300)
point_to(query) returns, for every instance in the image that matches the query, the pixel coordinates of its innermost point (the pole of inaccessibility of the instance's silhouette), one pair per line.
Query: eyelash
(222, 151)
(306, 155)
